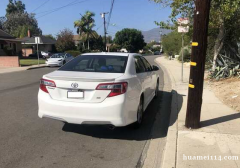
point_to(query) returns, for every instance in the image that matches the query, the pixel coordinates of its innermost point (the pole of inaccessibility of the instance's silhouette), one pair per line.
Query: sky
(138, 14)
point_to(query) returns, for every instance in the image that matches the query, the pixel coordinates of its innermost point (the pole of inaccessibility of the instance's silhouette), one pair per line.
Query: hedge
(74, 53)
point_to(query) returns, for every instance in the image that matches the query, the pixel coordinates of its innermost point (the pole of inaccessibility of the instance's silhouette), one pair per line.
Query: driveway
(27, 141)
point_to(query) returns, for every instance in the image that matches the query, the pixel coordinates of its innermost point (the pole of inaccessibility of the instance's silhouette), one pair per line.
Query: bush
(65, 41)
(115, 48)
(156, 49)
(186, 55)
(172, 43)
(73, 52)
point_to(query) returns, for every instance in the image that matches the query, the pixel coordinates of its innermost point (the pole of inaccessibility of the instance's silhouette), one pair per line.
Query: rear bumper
(54, 63)
(111, 111)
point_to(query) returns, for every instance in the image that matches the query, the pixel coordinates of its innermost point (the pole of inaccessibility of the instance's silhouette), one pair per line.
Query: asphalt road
(27, 141)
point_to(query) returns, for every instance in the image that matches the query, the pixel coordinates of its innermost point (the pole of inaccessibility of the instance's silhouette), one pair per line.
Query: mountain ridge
(154, 34)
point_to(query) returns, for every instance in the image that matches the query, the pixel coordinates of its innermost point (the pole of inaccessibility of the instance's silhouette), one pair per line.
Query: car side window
(146, 64)
(139, 65)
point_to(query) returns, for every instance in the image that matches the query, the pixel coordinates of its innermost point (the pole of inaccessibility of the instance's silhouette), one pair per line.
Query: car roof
(112, 54)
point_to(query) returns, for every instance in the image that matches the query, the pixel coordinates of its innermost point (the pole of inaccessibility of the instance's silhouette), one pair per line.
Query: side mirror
(155, 68)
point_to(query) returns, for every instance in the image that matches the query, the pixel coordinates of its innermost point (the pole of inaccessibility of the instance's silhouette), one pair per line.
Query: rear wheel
(64, 62)
(138, 123)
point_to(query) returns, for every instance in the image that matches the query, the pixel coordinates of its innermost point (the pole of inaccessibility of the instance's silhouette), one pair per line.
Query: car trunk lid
(85, 83)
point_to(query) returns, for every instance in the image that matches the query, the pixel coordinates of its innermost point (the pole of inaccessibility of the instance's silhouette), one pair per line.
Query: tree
(131, 39)
(17, 21)
(2, 20)
(109, 40)
(97, 42)
(224, 21)
(115, 48)
(15, 7)
(50, 36)
(65, 41)
(172, 43)
(85, 25)
(17, 24)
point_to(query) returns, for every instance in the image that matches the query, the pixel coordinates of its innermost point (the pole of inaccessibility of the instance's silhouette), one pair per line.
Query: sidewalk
(16, 69)
(219, 135)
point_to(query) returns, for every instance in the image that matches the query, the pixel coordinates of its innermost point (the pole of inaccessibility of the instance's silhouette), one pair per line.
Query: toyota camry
(100, 89)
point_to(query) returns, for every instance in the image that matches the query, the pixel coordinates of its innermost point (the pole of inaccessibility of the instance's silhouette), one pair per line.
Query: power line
(69, 4)
(40, 6)
(110, 13)
(57, 9)
(99, 27)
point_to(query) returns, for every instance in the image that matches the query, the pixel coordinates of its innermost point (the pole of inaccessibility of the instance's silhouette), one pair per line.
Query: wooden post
(199, 49)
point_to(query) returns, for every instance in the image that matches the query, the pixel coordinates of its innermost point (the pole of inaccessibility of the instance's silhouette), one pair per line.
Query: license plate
(75, 95)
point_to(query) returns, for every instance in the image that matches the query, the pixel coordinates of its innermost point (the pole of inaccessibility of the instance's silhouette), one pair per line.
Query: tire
(64, 62)
(156, 90)
(138, 123)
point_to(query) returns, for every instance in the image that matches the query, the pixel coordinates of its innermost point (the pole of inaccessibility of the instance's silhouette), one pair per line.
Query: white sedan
(99, 88)
(59, 59)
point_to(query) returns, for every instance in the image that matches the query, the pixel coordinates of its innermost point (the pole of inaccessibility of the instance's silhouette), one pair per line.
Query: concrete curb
(170, 151)
(153, 148)
(169, 156)
(150, 151)
(37, 67)
(18, 69)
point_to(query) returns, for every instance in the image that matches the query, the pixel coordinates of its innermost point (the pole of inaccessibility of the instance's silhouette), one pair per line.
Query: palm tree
(85, 25)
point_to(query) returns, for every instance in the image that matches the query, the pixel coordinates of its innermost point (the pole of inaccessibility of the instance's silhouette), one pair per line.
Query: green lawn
(28, 62)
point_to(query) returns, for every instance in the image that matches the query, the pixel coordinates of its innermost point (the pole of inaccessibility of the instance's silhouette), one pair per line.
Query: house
(76, 39)
(9, 45)
(29, 43)
(108, 46)
(10, 50)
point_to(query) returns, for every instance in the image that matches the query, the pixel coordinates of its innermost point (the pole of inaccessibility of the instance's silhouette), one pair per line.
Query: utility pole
(105, 29)
(199, 48)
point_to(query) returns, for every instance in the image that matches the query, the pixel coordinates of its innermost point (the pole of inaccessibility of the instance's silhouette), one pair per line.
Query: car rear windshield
(57, 55)
(97, 63)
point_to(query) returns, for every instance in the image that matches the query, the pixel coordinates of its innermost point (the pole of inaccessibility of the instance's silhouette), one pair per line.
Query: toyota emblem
(74, 85)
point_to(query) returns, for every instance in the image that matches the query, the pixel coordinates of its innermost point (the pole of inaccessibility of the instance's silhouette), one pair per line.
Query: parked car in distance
(59, 59)
(46, 54)
(157, 53)
(99, 88)
(35, 55)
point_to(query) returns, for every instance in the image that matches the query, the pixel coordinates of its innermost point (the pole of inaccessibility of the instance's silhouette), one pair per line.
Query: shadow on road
(220, 120)
(177, 106)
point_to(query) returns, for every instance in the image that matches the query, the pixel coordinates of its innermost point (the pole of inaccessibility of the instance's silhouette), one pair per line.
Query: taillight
(44, 83)
(116, 88)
